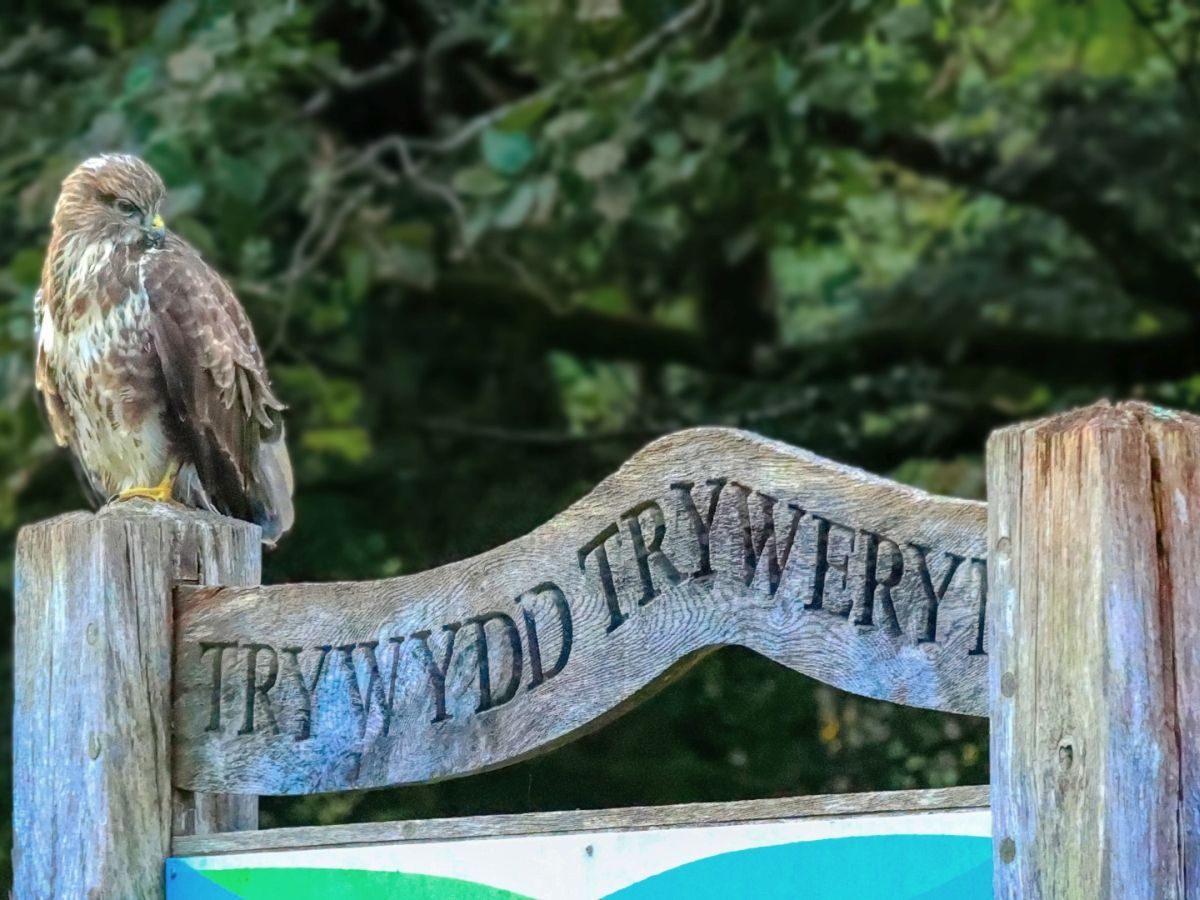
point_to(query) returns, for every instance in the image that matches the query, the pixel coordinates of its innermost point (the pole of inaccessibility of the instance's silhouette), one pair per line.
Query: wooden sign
(705, 538)
(906, 844)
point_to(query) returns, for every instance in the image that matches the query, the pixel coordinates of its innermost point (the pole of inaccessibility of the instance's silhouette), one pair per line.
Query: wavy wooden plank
(705, 538)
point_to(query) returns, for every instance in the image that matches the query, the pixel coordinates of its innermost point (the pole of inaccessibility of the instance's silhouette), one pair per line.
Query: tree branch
(962, 433)
(611, 68)
(1144, 267)
(1148, 23)
(1057, 358)
(346, 80)
(582, 331)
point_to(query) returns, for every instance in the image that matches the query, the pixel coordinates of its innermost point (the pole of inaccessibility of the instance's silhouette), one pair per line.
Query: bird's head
(112, 197)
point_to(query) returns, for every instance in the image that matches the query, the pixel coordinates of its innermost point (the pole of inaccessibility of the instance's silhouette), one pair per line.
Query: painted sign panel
(943, 855)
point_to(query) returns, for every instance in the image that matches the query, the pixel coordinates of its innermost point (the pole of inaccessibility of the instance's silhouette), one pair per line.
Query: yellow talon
(160, 493)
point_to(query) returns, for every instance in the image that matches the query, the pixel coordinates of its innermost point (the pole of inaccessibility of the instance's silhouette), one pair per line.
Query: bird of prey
(146, 363)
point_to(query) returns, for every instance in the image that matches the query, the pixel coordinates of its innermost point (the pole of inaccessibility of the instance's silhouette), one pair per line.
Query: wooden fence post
(93, 805)
(1094, 595)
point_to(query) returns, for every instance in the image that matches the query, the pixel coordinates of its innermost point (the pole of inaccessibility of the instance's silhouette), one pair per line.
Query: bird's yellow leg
(160, 493)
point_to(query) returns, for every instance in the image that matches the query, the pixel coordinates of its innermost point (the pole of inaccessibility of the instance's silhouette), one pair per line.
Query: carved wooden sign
(705, 538)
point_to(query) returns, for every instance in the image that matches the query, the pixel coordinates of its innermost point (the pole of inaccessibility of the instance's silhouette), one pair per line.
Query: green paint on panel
(336, 884)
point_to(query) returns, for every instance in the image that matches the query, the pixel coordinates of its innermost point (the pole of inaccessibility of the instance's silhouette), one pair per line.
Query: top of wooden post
(1101, 414)
(1095, 597)
(146, 512)
(92, 806)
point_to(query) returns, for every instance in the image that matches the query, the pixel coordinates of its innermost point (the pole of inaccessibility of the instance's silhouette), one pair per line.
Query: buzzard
(146, 363)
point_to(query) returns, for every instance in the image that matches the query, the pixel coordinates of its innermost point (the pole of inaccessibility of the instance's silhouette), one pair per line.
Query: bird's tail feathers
(266, 500)
(271, 491)
(189, 489)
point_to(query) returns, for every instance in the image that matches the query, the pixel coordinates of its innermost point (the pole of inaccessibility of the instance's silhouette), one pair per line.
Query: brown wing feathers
(221, 410)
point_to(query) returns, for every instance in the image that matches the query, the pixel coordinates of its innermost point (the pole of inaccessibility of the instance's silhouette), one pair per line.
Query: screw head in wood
(1008, 684)
(1008, 850)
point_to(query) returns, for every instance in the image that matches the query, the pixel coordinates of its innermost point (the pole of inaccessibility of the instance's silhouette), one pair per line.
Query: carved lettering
(980, 566)
(488, 700)
(644, 553)
(259, 690)
(437, 674)
(306, 689)
(375, 692)
(563, 610)
(903, 591)
(826, 527)
(874, 586)
(701, 525)
(933, 597)
(596, 545)
(214, 707)
(753, 546)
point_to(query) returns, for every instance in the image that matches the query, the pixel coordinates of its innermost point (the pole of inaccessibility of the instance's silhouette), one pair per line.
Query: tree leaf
(352, 444)
(173, 17)
(600, 160)
(785, 75)
(567, 124)
(507, 152)
(478, 181)
(518, 207)
(525, 115)
(615, 198)
(140, 77)
(704, 75)
(242, 178)
(905, 23)
(190, 65)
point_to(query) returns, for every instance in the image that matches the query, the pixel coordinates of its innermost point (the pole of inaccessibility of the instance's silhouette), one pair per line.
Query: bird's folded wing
(219, 400)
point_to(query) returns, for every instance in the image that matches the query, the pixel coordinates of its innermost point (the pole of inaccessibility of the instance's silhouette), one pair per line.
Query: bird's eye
(126, 208)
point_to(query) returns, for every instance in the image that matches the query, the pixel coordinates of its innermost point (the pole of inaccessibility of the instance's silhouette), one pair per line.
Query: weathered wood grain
(92, 796)
(634, 818)
(1175, 458)
(195, 562)
(705, 538)
(1091, 564)
(204, 813)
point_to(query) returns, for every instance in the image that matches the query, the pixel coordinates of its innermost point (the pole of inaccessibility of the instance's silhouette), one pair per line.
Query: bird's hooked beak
(156, 232)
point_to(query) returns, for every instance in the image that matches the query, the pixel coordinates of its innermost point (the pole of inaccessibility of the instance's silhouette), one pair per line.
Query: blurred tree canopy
(493, 247)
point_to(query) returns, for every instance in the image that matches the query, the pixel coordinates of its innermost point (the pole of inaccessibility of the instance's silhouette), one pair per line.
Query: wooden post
(1094, 595)
(93, 805)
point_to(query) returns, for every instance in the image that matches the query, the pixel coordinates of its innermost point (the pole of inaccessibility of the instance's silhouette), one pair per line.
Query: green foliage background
(494, 247)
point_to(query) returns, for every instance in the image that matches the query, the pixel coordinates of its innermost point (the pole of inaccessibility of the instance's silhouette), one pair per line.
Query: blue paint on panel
(185, 883)
(883, 867)
(976, 882)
